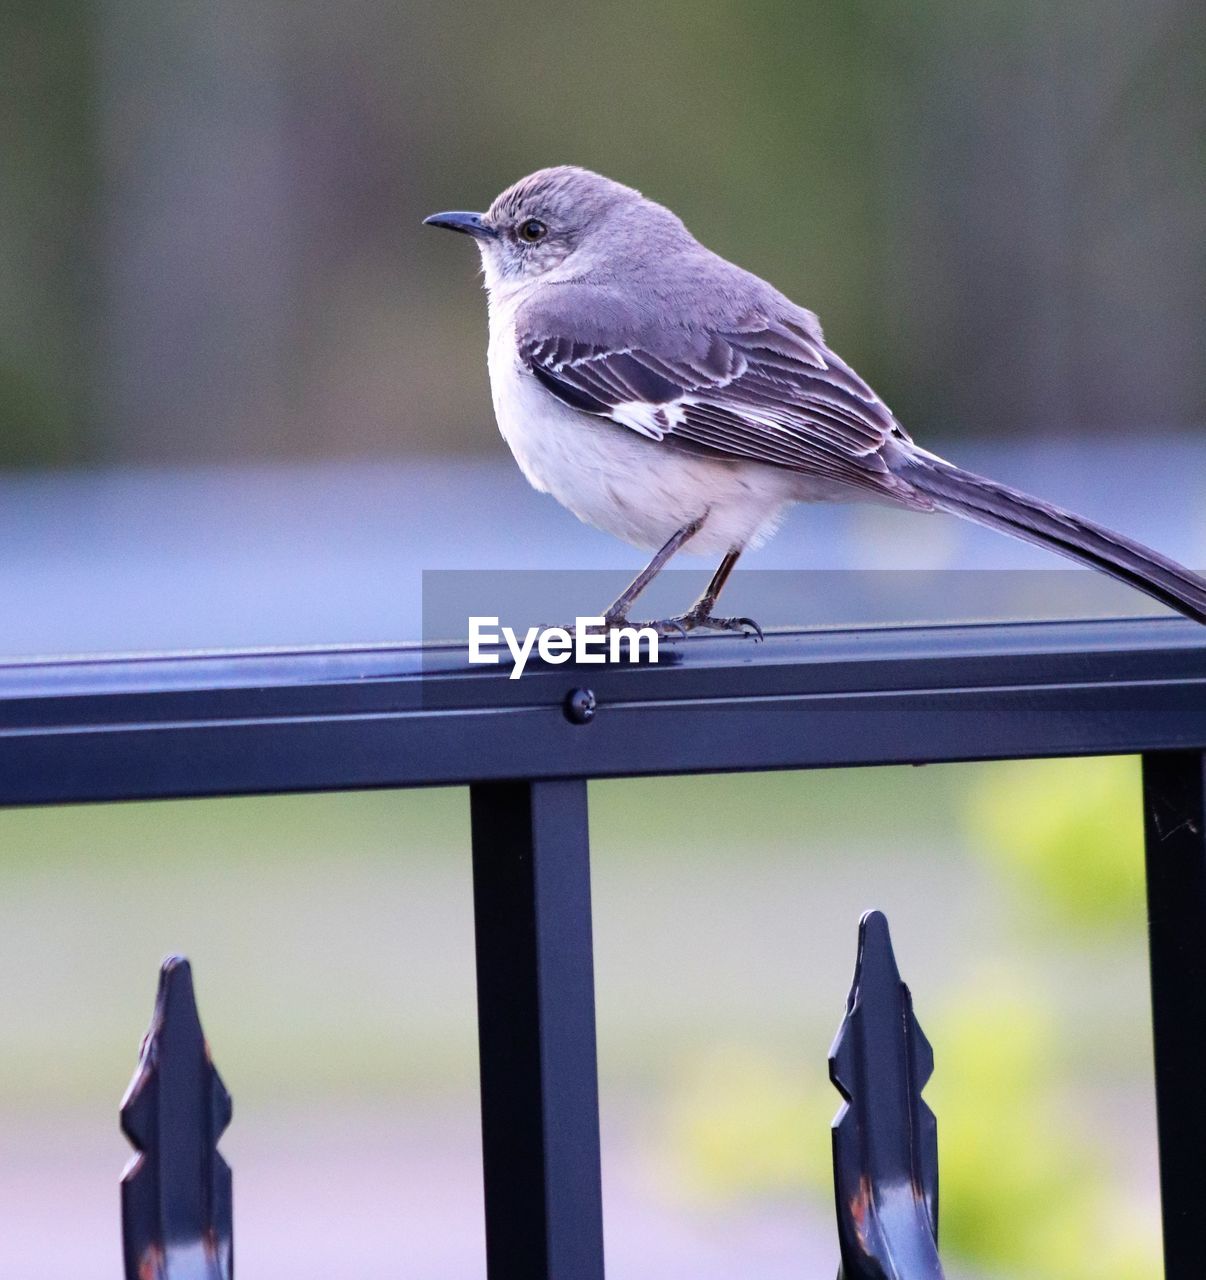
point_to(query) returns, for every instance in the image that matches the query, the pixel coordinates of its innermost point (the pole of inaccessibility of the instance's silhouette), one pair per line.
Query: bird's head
(535, 227)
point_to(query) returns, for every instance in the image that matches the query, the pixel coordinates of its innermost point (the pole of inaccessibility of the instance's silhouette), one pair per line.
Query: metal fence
(178, 1208)
(340, 719)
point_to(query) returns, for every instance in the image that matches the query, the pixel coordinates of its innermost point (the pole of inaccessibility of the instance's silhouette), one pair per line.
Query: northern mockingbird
(667, 396)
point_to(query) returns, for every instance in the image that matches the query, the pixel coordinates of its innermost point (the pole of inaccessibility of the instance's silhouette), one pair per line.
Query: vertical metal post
(536, 1028)
(176, 1204)
(885, 1137)
(1174, 795)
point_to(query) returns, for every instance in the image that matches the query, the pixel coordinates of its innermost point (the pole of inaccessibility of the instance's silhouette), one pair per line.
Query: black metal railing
(177, 1207)
(341, 719)
(885, 1138)
(178, 1210)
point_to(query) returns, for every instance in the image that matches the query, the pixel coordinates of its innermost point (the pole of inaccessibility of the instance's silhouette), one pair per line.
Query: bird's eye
(532, 230)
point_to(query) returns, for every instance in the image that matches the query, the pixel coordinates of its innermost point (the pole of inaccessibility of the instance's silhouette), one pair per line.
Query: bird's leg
(700, 613)
(617, 611)
(702, 608)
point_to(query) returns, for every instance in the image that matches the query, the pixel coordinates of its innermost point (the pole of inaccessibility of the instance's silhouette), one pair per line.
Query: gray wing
(766, 390)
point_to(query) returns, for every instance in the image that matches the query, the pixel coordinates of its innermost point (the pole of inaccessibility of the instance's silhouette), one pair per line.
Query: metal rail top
(326, 719)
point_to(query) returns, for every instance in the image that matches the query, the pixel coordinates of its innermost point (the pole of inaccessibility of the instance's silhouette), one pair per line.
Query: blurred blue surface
(327, 553)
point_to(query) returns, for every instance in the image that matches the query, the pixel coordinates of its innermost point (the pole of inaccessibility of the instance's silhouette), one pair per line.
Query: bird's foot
(666, 628)
(676, 628)
(698, 621)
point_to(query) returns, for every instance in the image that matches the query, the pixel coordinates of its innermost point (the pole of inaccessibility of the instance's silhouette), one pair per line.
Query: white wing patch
(652, 420)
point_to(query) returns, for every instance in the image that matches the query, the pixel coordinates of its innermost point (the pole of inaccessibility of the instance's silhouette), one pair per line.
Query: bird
(675, 400)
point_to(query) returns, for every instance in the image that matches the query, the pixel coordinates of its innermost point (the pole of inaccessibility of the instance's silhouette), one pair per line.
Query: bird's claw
(744, 626)
(675, 628)
(670, 628)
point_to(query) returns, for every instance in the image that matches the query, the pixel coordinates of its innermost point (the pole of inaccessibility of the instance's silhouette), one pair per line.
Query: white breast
(616, 479)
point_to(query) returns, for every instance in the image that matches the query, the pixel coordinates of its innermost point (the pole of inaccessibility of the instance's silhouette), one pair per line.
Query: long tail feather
(996, 505)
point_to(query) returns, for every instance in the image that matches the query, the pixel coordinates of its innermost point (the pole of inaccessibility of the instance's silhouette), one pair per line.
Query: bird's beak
(472, 224)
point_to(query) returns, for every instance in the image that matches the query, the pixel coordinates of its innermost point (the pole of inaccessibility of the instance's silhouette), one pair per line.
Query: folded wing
(766, 391)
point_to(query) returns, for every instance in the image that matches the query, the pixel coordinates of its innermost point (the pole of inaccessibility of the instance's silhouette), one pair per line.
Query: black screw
(580, 706)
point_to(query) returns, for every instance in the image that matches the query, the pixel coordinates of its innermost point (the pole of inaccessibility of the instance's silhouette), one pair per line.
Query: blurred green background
(331, 938)
(210, 252)
(209, 225)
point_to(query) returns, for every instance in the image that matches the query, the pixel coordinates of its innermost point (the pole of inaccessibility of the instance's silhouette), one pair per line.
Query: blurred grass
(331, 935)
(1042, 1080)
(1065, 835)
(332, 943)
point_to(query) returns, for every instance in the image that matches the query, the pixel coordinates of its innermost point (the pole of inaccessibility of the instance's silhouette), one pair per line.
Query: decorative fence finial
(176, 1193)
(885, 1138)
